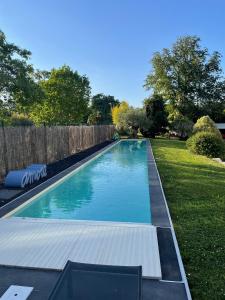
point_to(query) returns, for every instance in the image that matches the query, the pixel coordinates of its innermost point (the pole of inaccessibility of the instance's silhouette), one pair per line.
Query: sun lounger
(88, 281)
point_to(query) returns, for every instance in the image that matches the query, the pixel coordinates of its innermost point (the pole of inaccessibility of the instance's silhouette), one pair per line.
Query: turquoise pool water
(112, 187)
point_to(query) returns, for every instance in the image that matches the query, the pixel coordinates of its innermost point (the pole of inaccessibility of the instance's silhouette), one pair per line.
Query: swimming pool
(111, 187)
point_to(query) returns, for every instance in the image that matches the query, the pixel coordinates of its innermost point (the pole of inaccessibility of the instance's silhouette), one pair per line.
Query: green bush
(206, 143)
(180, 124)
(207, 125)
(20, 120)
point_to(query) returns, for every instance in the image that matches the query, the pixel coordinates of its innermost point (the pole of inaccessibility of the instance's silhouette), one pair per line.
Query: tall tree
(18, 84)
(117, 110)
(66, 98)
(189, 78)
(101, 106)
(156, 113)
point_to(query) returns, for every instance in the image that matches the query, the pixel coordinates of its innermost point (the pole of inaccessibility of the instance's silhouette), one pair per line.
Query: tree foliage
(156, 113)
(18, 84)
(206, 139)
(189, 78)
(101, 109)
(117, 110)
(94, 117)
(207, 143)
(20, 120)
(180, 124)
(206, 124)
(66, 98)
(129, 121)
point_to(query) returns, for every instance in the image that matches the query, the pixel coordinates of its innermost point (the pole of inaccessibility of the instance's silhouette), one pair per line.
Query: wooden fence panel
(14, 147)
(3, 154)
(21, 146)
(38, 144)
(73, 139)
(57, 139)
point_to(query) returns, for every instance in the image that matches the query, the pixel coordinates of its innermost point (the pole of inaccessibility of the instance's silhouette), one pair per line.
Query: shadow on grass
(198, 169)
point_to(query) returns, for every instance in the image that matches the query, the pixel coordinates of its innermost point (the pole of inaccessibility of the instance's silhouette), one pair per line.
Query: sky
(111, 41)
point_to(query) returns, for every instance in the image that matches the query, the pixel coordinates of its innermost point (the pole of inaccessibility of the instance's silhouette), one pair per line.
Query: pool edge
(20, 201)
(153, 171)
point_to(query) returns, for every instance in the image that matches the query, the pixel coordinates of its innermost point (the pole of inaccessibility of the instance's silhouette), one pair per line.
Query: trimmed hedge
(206, 143)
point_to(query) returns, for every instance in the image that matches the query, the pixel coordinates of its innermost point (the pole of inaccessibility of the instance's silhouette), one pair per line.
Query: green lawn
(195, 191)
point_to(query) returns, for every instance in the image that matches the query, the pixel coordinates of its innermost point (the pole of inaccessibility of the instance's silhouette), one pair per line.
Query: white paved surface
(45, 243)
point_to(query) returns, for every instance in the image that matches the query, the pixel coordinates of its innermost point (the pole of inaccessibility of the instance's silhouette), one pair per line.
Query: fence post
(46, 146)
(4, 148)
(68, 132)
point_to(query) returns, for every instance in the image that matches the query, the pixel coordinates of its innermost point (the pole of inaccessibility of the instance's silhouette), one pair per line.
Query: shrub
(206, 124)
(122, 131)
(206, 143)
(180, 124)
(20, 120)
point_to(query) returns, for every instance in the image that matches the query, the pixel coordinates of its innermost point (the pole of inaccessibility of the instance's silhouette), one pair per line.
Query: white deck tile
(50, 243)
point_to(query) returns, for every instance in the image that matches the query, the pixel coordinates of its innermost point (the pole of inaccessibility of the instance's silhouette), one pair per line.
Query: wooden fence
(21, 146)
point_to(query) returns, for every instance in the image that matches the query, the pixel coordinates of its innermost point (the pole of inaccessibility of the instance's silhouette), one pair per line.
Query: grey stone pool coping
(159, 211)
(169, 250)
(173, 274)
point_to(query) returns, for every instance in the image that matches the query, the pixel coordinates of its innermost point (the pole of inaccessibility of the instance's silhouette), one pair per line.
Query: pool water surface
(111, 187)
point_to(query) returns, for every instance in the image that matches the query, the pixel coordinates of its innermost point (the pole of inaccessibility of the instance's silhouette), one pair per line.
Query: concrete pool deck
(171, 286)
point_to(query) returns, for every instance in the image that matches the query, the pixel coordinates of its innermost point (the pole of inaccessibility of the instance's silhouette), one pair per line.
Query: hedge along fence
(24, 145)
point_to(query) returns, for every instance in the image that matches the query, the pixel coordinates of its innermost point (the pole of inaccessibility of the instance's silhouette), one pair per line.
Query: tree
(101, 106)
(156, 113)
(117, 110)
(129, 121)
(20, 120)
(94, 118)
(180, 124)
(66, 98)
(4, 112)
(145, 124)
(18, 84)
(189, 78)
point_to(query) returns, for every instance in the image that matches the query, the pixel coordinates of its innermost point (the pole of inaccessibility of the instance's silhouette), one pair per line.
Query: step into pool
(111, 187)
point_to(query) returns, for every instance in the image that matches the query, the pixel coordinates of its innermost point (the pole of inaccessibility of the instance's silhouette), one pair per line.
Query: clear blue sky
(111, 41)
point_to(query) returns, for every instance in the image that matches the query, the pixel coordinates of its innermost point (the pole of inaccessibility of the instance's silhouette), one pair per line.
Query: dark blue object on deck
(17, 178)
(80, 281)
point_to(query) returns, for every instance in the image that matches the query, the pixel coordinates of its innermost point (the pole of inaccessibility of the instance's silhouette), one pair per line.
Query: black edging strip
(7, 208)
